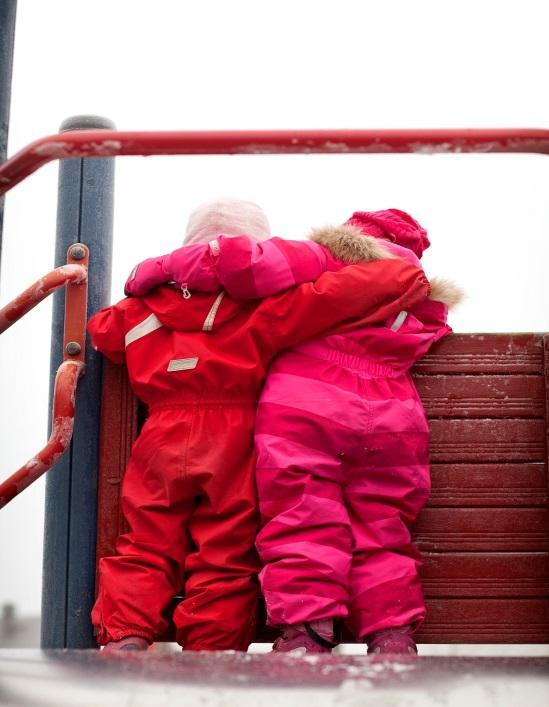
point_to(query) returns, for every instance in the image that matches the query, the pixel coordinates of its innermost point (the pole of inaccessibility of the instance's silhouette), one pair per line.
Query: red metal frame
(75, 276)
(110, 143)
(61, 434)
(505, 604)
(38, 291)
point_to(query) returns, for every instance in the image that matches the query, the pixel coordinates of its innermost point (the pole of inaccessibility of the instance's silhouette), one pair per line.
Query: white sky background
(238, 64)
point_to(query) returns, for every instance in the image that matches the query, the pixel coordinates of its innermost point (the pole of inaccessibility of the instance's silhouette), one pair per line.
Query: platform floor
(89, 678)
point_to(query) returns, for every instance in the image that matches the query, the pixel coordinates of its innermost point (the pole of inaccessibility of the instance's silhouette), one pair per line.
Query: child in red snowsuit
(198, 362)
(341, 437)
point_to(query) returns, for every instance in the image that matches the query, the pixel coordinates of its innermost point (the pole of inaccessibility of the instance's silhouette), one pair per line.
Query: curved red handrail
(110, 143)
(61, 433)
(75, 276)
(38, 291)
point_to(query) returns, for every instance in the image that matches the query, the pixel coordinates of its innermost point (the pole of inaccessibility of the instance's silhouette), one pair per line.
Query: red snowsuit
(188, 492)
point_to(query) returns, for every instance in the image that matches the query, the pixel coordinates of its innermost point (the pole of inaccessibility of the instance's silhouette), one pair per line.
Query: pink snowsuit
(341, 434)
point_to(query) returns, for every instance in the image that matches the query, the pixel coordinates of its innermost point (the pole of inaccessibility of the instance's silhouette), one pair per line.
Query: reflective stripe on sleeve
(151, 323)
(399, 321)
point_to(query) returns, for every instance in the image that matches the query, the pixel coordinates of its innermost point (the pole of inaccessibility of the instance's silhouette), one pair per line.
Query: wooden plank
(475, 529)
(484, 353)
(513, 440)
(506, 574)
(546, 380)
(489, 396)
(485, 485)
(119, 409)
(485, 621)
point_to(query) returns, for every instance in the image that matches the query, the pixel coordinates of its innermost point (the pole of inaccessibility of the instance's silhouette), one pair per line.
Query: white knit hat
(230, 217)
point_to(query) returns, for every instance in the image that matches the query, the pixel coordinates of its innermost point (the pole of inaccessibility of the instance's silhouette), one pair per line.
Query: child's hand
(145, 276)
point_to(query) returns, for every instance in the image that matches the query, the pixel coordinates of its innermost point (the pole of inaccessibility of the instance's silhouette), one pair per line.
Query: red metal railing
(38, 291)
(110, 143)
(75, 276)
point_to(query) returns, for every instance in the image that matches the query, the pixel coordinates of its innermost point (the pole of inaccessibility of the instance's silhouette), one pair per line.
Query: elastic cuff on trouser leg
(394, 603)
(291, 608)
(319, 639)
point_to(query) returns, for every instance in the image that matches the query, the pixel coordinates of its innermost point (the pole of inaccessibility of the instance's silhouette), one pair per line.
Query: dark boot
(395, 641)
(311, 637)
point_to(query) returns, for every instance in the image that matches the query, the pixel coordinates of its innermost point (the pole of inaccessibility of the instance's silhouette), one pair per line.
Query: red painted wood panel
(513, 440)
(474, 529)
(486, 621)
(470, 485)
(482, 396)
(118, 431)
(481, 354)
(484, 574)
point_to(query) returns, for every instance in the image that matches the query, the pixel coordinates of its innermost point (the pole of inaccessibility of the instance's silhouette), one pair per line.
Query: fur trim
(349, 244)
(446, 291)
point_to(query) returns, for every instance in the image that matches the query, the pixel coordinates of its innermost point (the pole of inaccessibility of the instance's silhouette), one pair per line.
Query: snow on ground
(88, 678)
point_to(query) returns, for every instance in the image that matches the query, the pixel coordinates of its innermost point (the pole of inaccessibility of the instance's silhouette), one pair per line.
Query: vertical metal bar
(8, 10)
(84, 214)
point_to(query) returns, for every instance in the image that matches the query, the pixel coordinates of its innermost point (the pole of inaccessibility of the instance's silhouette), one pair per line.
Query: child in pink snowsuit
(341, 437)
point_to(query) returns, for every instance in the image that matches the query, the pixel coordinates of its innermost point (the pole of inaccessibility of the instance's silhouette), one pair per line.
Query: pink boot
(130, 643)
(396, 641)
(311, 637)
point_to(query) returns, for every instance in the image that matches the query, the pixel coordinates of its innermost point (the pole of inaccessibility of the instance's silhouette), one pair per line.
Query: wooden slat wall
(119, 428)
(485, 532)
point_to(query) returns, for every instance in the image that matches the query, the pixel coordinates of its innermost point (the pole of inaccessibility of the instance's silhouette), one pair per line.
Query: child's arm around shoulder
(244, 267)
(249, 269)
(369, 292)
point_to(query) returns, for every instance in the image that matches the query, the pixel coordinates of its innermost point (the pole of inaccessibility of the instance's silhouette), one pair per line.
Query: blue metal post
(84, 214)
(7, 34)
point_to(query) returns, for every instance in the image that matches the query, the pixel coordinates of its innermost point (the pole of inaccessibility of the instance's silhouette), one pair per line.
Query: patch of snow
(74, 269)
(53, 149)
(336, 146)
(105, 147)
(63, 427)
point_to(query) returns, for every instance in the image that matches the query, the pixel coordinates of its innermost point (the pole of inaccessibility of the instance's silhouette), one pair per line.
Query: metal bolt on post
(73, 348)
(78, 253)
